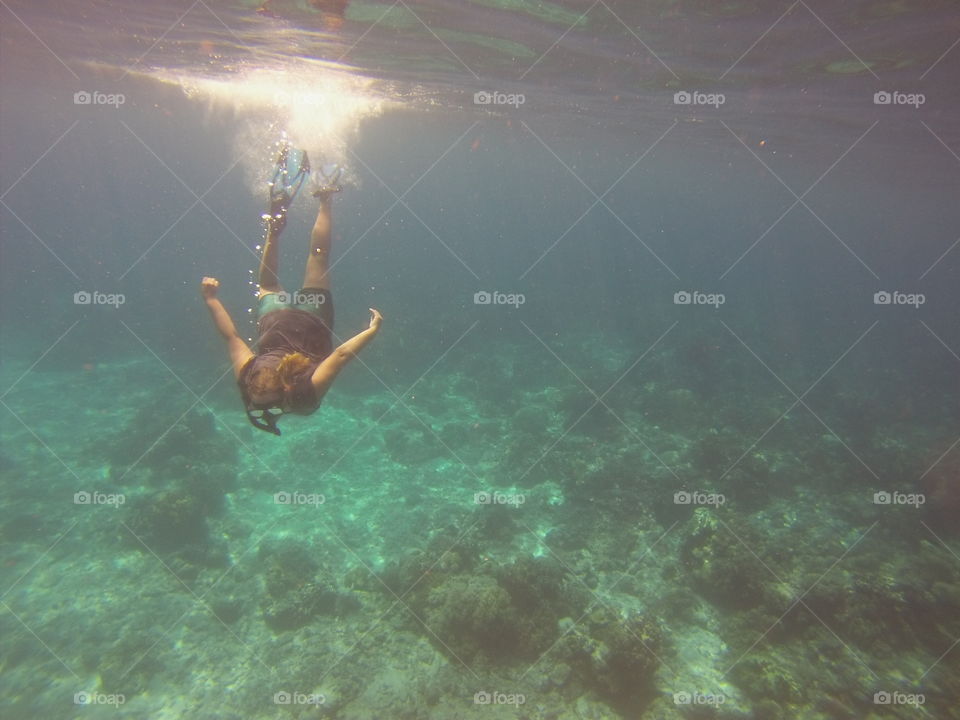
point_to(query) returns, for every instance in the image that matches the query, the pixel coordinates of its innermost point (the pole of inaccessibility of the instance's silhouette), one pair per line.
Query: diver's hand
(208, 287)
(375, 319)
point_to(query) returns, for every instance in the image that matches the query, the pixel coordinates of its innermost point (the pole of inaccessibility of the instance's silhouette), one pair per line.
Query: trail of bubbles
(314, 108)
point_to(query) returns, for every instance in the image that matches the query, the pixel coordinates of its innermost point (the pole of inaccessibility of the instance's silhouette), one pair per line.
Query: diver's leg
(268, 277)
(317, 273)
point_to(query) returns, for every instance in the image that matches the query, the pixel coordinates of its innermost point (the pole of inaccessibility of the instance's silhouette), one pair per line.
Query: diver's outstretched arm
(240, 353)
(327, 371)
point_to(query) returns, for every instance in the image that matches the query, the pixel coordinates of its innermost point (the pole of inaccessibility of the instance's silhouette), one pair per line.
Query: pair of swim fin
(291, 171)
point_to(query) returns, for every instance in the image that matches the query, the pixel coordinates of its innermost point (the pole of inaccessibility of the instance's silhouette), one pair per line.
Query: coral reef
(297, 590)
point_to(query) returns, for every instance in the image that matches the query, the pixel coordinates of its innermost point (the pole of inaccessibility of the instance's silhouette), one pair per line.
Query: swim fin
(291, 170)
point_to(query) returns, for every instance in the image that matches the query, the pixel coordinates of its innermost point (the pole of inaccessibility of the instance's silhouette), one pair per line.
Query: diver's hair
(265, 382)
(269, 381)
(290, 366)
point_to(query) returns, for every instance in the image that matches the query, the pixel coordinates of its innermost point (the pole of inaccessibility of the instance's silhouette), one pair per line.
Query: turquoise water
(662, 421)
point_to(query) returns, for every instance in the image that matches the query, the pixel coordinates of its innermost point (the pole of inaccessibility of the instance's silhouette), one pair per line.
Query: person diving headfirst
(295, 363)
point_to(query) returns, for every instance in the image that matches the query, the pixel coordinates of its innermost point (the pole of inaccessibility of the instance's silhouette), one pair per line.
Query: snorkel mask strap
(267, 423)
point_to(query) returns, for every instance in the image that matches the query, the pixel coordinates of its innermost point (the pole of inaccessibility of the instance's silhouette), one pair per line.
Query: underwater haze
(662, 421)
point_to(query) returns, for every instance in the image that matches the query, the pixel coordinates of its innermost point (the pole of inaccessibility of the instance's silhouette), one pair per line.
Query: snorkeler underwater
(641, 400)
(295, 362)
